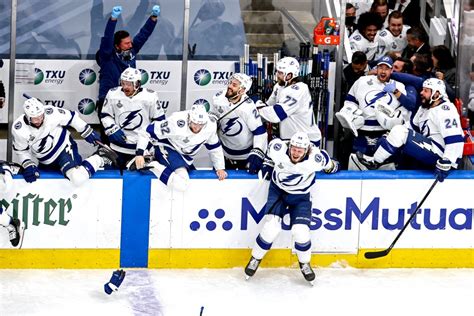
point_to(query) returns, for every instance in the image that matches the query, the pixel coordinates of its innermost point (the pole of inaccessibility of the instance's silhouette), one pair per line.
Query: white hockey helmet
(300, 140)
(245, 81)
(288, 65)
(33, 108)
(198, 114)
(435, 85)
(131, 75)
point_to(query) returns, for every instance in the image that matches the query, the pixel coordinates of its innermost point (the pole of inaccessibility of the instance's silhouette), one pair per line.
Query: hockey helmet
(300, 140)
(245, 81)
(288, 65)
(435, 85)
(33, 108)
(198, 114)
(131, 75)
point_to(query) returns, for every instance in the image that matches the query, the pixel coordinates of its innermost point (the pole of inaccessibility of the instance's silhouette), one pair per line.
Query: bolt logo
(86, 106)
(203, 102)
(145, 77)
(87, 76)
(39, 76)
(49, 76)
(202, 77)
(211, 225)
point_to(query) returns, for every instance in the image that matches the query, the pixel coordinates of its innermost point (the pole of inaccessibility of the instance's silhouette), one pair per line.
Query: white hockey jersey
(241, 130)
(174, 132)
(45, 143)
(131, 114)
(360, 43)
(365, 92)
(442, 125)
(390, 43)
(293, 108)
(296, 178)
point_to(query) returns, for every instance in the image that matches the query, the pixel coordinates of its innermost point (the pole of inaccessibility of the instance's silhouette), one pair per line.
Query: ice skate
(16, 231)
(308, 272)
(251, 267)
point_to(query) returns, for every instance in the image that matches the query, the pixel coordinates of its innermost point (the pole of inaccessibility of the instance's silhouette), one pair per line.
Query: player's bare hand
(221, 174)
(139, 162)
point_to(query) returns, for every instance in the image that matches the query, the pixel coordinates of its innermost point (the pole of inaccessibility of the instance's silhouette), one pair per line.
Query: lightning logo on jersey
(132, 121)
(231, 123)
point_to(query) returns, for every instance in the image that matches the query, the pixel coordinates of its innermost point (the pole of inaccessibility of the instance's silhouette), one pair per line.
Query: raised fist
(116, 11)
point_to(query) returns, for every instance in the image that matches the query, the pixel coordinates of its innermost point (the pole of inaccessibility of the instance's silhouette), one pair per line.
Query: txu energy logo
(86, 106)
(36, 210)
(39, 76)
(160, 77)
(49, 76)
(87, 76)
(211, 224)
(202, 77)
(145, 77)
(203, 102)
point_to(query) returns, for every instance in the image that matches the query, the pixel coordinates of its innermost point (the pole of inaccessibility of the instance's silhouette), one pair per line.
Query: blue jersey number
(450, 123)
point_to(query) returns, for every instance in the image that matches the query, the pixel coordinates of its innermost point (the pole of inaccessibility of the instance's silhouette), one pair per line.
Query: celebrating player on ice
(438, 144)
(177, 141)
(290, 103)
(40, 134)
(128, 110)
(239, 126)
(292, 167)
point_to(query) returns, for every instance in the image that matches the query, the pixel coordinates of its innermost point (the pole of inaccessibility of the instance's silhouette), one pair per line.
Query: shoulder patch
(61, 111)
(18, 125)
(114, 89)
(249, 100)
(149, 90)
(181, 123)
(48, 111)
(296, 87)
(445, 107)
(277, 146)
(357, 38)
(218, 93)
(383, 33)
(318, 158)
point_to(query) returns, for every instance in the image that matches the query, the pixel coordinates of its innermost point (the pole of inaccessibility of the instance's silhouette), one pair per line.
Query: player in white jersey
(129, 109)
(290, 103)
(177, 141)
(239, 126)
(394, 37)
(41, 135)
(364, 39)
(293, 166)
(434, 137)
(14, 226)
(375, 104)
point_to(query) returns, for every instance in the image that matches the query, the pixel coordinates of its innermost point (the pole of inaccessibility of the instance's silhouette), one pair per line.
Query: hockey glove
(156, 10)
(334, 167)
(90, 135)
(255, 160)
(117, 136)
(116, 11)
(30, 171)
(267, 169)
(390, 87)
(443, 166)
(117, 278)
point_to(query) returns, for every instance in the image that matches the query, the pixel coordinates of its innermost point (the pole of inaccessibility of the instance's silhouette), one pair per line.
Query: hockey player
(40, 134)
(364, 39)
(239, 126)
(292, 167)
(290, 103)
(14, 226)
(177, 140)
(129, 109)
(375, 104)
(434, 137)
(394, 37)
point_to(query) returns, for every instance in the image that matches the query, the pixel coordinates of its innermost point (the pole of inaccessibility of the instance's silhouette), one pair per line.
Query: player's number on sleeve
(255, 113)
(450, 123)
(289, 100)
(164, 128)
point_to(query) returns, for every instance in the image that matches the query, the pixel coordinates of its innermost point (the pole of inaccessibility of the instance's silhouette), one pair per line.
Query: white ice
(337, 291)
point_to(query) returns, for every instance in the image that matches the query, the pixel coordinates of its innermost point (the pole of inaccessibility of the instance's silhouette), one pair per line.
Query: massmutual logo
(86, 106)
(211, 225)
(202, 77)
(50, 76)
(145, 77)
(87, 76)
(203, 102)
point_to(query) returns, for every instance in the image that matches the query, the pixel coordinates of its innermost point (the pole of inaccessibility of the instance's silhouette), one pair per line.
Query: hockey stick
(383, 253)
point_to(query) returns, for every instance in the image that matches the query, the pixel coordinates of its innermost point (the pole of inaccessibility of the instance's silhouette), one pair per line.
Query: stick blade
(376, 254)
